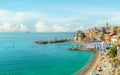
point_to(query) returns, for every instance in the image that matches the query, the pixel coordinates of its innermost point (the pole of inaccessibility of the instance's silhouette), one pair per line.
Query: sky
(57, 15)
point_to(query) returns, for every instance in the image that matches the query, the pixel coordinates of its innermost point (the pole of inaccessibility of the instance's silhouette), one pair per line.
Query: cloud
(38, 22)
(23, 21)
(58, 28)
(65, 19)
(21, 28)
(17, 17)
(8, 27)
(17, 21)
(40, 27)
(113, 21)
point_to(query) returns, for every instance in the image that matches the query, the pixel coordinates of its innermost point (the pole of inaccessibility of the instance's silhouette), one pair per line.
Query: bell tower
(107, 25)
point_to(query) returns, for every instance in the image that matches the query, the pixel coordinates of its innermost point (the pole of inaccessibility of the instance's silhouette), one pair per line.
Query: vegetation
(79, 33)
(113, 51)
(115, 62)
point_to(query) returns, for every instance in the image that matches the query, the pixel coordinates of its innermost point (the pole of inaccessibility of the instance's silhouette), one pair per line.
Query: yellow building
(118, 28)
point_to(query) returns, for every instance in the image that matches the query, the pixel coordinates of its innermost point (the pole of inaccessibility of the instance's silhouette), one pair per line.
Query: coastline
(91, 66)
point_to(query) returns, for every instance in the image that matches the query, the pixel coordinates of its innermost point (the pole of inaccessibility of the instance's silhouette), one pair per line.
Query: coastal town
(106, 41)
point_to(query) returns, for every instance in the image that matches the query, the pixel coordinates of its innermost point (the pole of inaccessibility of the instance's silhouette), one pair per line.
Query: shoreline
(91, 66)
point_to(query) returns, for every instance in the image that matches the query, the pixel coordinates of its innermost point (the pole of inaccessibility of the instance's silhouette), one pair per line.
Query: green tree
(113, 51)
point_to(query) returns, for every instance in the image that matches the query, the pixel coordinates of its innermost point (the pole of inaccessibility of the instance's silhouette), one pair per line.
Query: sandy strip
(91, 67)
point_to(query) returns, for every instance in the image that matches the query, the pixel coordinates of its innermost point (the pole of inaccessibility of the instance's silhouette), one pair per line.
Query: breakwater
(53, 41)
(85, 49)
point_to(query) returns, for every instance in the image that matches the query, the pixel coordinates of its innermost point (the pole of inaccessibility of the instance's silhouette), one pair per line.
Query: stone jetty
(85, 49)
(53, 41)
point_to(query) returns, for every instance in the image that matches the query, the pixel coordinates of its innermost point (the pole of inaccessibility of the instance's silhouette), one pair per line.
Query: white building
(114, 39)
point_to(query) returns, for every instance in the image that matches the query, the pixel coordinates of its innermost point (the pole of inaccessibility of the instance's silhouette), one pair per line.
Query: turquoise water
(19, 55)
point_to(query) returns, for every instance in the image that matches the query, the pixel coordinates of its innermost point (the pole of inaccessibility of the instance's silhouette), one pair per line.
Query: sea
(20, 55)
